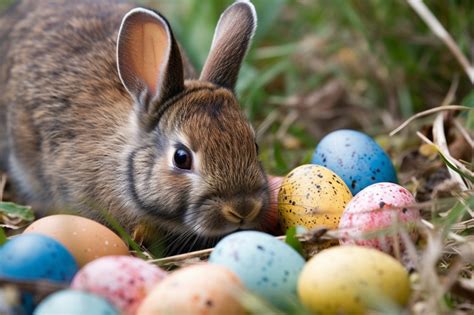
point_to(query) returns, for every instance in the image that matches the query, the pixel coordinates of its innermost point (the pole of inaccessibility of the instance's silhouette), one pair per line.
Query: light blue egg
(265, 265)
(356, 158)
(36, 257)
(74, 302)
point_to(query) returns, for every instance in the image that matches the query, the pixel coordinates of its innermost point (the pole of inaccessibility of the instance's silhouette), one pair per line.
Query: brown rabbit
(100, 117)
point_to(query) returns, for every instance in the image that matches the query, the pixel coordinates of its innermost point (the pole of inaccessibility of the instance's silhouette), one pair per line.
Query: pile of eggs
(351, 185)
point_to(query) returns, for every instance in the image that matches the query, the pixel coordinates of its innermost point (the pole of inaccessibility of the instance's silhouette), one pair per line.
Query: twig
(266, 123)
(449, 98)
(287, 122)
(464, 133)
(428, 112)
(182, 257)
(436, 27)
(451, 235)
(309, 236)
(3, 182)
(439, 138)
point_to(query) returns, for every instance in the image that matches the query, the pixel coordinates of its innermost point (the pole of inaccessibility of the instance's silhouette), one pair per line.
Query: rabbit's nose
(242, 211)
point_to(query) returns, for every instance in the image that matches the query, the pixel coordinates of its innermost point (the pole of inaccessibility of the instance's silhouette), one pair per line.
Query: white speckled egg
(265, 265)
(202, 289)
(371, 216)
(124, 281)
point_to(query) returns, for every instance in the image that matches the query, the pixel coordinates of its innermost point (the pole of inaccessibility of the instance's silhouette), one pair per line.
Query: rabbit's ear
(148, 59)
(233, 33)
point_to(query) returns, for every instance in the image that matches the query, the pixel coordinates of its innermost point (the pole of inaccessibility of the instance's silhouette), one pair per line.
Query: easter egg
(310, 196)
(203, 289)
(84, 238)
(36, 257)
(372, 216)
(72, 302)
(353, 280)
(265, 265)
(122, 280)
(356, 158)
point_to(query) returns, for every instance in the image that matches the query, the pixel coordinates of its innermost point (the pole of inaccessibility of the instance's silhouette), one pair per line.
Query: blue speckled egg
(356, 158)
(73, 302)
(35, 257)
(265, 265)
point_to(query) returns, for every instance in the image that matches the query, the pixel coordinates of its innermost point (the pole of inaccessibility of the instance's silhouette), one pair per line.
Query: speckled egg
(353, 280)
(371, 217)
(72, 302)
(310, 196)
(36, 257)
(84, 238)
(124, 281)
(356, 158)
(204, 289)
(265, 265)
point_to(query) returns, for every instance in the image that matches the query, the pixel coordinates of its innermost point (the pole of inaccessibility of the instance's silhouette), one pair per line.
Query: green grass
(386, 58)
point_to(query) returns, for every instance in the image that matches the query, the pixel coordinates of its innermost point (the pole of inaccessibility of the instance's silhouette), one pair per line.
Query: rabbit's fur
(94, 119)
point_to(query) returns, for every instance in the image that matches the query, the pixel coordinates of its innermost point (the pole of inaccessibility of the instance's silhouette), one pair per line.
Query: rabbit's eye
(182, 159)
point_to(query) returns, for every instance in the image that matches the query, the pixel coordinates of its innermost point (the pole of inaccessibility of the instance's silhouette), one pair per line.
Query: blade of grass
(428, 112)
(278, 155)
(454, 215)
(14, 210)
(426, 15)
(123, 234)
(446, 160)
(3, 237)
(293, 241)
(439, 138)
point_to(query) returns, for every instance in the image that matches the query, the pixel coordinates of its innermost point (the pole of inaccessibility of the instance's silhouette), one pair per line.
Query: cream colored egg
(310, 196)
(353, 280)
(203, 289)
(84, 238)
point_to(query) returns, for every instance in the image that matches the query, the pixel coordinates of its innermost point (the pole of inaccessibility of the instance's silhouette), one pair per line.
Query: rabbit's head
(193, 159)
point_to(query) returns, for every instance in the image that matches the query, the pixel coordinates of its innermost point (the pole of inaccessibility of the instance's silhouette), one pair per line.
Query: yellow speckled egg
(312, 195)
(204, 289)
(85, 239)
(353, 280)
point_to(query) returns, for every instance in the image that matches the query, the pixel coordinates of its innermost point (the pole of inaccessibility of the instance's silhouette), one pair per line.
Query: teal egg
(265, 265)
(72, 302)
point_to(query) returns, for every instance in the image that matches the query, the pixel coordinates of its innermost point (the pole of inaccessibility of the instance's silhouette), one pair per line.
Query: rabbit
(104, 118)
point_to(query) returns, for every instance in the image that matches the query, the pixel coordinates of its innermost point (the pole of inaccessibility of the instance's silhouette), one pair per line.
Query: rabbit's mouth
(215, 217)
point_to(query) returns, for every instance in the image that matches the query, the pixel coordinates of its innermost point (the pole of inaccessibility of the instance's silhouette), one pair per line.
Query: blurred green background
(319, 65)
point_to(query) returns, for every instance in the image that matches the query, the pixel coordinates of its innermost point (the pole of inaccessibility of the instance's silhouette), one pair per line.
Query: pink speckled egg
(124, 281)
(371, 217)
(204, 289)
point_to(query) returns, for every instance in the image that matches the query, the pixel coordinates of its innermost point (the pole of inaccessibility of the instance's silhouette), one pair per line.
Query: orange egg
(201, 289)
(84, 238)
